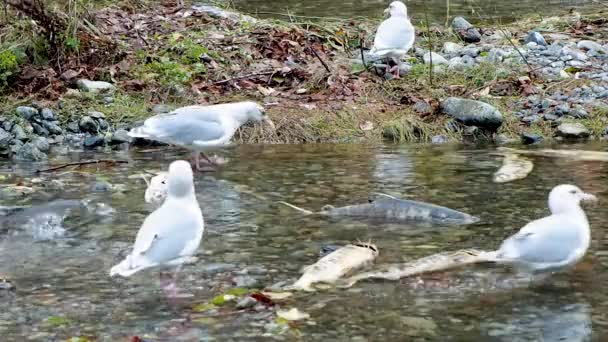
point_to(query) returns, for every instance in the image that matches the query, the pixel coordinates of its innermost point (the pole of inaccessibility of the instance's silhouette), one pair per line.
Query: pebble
(91, 141)
(536, 38)
(160, 109)
(42, 144)
(245, 281)
(19, 133)
(246, 303)
(101, 186)
(47, 114)
(437, 59)
(26, 112)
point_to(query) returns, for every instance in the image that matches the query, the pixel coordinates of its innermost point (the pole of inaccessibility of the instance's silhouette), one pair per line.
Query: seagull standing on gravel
(172, 233)
(201, 127)
(554, 242)
(394, 37)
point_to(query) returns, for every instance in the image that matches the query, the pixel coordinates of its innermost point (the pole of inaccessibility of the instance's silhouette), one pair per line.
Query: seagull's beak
(269, 122)
(386, 12)
(588, 197)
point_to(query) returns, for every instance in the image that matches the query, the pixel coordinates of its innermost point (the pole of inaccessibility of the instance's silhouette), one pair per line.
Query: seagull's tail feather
(307, 212)
(139, 132)
(127, 267)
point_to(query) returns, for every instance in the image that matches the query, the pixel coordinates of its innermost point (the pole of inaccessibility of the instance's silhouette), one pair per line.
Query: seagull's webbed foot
(395, 72)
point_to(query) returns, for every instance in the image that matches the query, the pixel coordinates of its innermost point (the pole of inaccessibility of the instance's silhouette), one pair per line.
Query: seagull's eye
(573, 192)
(163, 182)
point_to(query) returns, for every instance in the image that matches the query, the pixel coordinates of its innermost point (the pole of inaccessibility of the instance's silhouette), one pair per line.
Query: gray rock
(547, 102)
(472, 113)
(29, 152)
(530, 119)
(572, 130)
(38, 129)
(591, 45)
(213, 268)
(423, 107)
(246, 303)
(94, 86)
(160, 109)
(245, 281)
(103, 124)
(439, 139)
(73, 127)
(460, 23)
(578, 112)
(404, 69)
(87, 124)
(42, 144)
(574, 53)
(535, 37)
(101, 186)
(5, 139)
(27, 112)
(495, 55)
(19, 132)
(108, 100)
(502, 139)
(47, 114)
(120, 136)
(562, 109)
(471, 35)
(531, 138)
(451, 48)
(52, 127)
(96, 115)
(92, 141)
(471, 51)
(550, 117)
(437, 59)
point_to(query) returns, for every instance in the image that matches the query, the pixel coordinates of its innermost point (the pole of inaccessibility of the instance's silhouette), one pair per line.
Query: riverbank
(530, 81)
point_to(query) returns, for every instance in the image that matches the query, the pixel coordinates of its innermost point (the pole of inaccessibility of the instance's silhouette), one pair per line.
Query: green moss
(237, 291)
(57, 321)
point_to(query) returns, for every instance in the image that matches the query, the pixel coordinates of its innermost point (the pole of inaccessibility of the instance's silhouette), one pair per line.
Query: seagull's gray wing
(394, 33)
(551, 239)
(181, 129)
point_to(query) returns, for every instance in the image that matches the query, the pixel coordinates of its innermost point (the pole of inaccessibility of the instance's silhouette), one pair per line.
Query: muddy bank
(533, 81)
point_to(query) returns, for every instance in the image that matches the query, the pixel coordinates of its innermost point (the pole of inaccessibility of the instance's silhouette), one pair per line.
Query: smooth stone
(38, 129)
(245, 281)
(120, 136)
(472, 113)
(161, 108)
(451, 48)
(5, 138)
(19, 132)
(471, 51)
(29, 152)
(94, 86)
(591, 45)
(439, 139)
(530, 119)
(92, 141)
(562, 109)
(42, 144)
(52, 127)
(460, 23)
(47, 114)
(550, 117)
(437, 59)
(87, 124)
(572, 130)
(578, 113)
(471, 35)
(108, 100)
(423, 107)
(246, 303)
(531, 138)
(27, 112)
(574, 53)
(96, 115)
(535, 37)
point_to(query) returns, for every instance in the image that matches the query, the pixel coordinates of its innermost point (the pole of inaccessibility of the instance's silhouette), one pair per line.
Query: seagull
(394, 37)
(201, 127)
(551, 243)
(167, 239)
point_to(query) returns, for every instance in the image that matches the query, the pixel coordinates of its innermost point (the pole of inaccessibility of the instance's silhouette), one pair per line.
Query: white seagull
(554, 242)
(201, 127)
(394, 37)
(172, 233)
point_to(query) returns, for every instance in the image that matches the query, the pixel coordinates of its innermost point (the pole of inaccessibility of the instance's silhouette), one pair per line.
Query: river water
(493, 10)
(63, 288)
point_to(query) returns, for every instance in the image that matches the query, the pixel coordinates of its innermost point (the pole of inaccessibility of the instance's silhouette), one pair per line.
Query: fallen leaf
(262, 298)
(293, 315)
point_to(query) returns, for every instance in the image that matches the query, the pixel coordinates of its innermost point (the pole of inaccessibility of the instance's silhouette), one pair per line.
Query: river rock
(451, 48)
(19, 132)
(246, 303)
(29, 152)
(120, 136)
(535, 37)
(465, 30)
(5, 139)
(47, 114)
(87, 124)
(572, 130)
(38, 129)
(574, 53)
(437, 59)
(591, 45)
(245, 281)
(94, 86)
(578, 112)
(27, 112)
(53, 127)
(460, 23)
(42, 144)
(531, 138)
(92, 141)
(472, 113)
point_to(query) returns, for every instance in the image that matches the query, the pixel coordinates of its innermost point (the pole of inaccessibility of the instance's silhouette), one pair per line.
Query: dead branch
(314, 52)
(86, 162)
(265, 73)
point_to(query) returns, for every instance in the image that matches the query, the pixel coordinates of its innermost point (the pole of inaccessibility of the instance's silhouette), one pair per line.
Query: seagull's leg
(388, 65)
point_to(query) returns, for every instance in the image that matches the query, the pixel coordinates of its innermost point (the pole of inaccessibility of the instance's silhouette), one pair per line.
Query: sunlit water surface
(67, 276)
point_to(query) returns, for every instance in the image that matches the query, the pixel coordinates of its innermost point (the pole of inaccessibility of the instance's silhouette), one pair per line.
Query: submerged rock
(29, 152)
(92, 141)
(531, 138)
(572, 130)
(472, 113)
(120, 136)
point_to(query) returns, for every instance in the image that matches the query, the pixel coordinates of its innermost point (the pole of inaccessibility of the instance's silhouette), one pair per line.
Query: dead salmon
(513, 167)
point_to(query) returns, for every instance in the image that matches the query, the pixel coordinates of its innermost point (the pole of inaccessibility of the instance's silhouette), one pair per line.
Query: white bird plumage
(554, 242)
(172, 233)
(201, 127)
(395, 36)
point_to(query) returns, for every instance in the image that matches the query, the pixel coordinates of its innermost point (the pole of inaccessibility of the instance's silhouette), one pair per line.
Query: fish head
(368, 245)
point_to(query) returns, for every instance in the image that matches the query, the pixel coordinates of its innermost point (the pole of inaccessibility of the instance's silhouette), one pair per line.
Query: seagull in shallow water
(394, 37)
(201, 127)
(554, 242)
(172, 233)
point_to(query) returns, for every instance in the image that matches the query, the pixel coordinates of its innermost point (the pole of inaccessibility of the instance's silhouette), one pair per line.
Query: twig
(86, 162)
(362, 56)
(265, 73)
(428, 33)
(319, 58)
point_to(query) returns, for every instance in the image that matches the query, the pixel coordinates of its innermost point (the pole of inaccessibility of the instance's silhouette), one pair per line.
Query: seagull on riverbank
(201, 127)
(394, 37)
(551, 243)
(172, 233)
